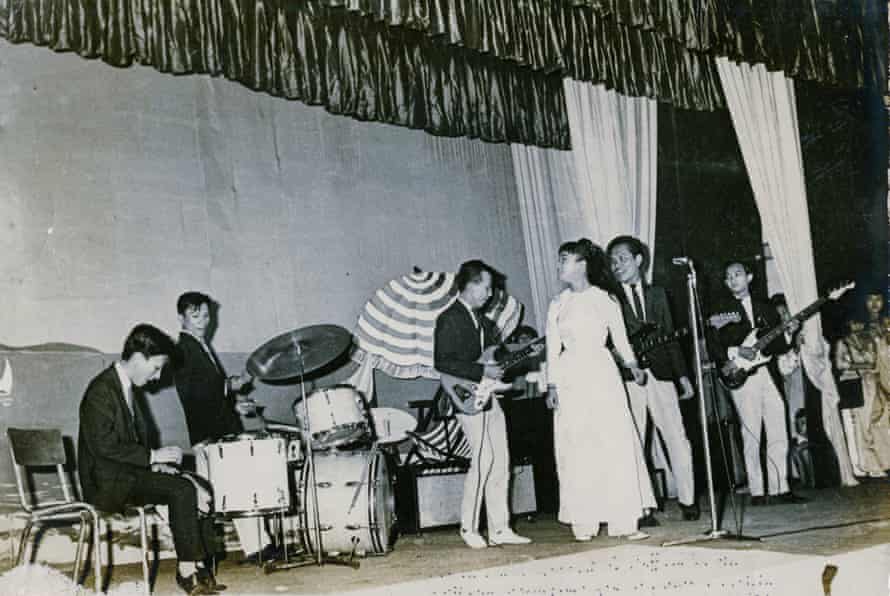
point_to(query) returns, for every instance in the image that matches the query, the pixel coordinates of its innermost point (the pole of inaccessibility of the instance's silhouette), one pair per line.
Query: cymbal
(298, 352)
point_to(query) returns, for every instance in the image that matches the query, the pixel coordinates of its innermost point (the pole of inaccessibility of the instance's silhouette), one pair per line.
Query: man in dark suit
(644, 307)
(117, 467)
(461, 335)
(209, 401)
(758, 401)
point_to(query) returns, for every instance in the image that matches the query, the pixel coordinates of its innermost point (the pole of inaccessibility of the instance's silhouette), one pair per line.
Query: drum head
(392, 425)
(383, 507)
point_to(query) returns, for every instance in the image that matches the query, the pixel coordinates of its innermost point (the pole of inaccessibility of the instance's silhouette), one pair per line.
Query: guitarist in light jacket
(658, 397)
(758, 401)
(461, 335)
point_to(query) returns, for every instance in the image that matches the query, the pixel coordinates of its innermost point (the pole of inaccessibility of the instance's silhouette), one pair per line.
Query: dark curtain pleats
(488, 69)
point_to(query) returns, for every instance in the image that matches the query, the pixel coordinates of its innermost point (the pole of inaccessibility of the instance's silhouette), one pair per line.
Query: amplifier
(432, 497)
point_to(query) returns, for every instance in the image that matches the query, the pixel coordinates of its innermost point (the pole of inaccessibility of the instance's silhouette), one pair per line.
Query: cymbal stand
(696, 321)
(320, 557)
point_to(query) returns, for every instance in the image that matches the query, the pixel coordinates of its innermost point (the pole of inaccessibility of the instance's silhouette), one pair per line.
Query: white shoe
(637, 536)
(473, 539)
(583, 537)
(507, 537)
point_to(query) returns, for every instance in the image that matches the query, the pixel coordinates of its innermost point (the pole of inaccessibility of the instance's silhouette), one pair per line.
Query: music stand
(696, 322)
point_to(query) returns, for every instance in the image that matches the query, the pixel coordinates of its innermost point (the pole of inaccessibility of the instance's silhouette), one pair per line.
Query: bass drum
(357, 506)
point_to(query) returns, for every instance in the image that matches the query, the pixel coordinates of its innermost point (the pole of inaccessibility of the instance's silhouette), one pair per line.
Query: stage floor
(833, 522)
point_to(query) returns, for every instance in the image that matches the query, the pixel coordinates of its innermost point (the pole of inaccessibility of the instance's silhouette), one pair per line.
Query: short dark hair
(471, 271)
(192, 300)
(149, 341)
(635, 246)
(524, 330)
(778, 300)
(745, 265)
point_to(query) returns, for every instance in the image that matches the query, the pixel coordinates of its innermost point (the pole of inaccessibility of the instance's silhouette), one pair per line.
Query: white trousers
(659, 399)
(760, 407)
(489, 474)
(251, 531)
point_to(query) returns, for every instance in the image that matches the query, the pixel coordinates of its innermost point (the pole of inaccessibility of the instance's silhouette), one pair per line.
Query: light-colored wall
(122, 188)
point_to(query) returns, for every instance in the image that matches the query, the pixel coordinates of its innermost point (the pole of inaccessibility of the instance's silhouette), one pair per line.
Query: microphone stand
(696, 322)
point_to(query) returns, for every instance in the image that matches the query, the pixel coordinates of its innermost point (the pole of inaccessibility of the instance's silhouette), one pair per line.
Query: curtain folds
(603, 187)
(764, 114)
(615, 147)
(310, 52)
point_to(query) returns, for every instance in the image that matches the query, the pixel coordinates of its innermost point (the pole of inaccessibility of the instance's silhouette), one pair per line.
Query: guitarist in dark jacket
(645, 307)
(758, 401)
(117, 467)
(461, 335)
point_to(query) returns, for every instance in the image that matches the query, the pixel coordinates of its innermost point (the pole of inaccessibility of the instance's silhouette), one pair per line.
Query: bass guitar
(470, 397)
(736, 370)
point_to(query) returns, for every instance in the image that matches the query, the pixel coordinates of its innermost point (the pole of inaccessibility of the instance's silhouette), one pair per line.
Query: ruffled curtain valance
(487, 69)
(307, 51)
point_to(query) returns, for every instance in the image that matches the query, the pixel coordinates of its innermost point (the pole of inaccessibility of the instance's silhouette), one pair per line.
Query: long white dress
(599, 461)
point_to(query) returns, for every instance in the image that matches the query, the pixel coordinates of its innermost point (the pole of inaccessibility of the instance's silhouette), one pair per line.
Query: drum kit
(330, 471)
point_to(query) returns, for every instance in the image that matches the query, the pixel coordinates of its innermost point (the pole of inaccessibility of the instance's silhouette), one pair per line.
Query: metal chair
(44, 448)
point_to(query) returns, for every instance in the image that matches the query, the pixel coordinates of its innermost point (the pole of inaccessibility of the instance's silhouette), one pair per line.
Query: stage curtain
(307, 51)
(604, 186)
(764, 115)
(615, 146)
(544, 177)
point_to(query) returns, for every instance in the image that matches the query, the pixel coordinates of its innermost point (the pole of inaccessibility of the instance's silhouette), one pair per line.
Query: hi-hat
(298, 352)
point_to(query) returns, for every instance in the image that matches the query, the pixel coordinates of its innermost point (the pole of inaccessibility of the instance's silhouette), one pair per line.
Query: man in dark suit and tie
(758, 401)
(461, 334)
(117, 467)
(209, 400)
(645, 305)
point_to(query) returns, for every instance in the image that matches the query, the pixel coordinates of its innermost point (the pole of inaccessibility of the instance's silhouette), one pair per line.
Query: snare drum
(336, 416)
(248, 473)
(356, 499)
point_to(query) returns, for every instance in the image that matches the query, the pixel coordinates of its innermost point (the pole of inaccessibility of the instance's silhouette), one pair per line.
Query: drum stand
(320, 558)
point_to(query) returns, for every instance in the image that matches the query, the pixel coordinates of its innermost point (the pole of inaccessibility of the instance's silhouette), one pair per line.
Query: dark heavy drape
(479, 68)
(307, 51)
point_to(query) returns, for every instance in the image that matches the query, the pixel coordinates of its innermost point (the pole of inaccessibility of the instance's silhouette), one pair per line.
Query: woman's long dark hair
(599, 273)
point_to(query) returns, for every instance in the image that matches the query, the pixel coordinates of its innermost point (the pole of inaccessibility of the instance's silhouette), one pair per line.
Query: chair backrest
(37, 448)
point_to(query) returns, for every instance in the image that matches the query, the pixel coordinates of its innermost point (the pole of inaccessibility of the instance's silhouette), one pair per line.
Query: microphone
(681, 261)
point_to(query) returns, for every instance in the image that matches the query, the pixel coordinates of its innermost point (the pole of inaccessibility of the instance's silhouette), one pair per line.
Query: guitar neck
(773, 333)
(519, 356)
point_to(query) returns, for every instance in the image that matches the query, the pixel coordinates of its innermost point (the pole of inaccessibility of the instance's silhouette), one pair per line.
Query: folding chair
(44, 448)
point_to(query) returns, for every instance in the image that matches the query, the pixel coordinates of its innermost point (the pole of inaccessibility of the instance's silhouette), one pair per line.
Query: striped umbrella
(395, 329)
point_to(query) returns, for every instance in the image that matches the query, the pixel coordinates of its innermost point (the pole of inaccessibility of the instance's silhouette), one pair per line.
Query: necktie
(638, 306)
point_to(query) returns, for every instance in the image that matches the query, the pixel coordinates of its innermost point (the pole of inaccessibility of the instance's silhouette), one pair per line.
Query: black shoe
(193, 584)
(690, 512)
(789, 498)
(758, 501)
(206, 575)
(270, 553)
(648, 521)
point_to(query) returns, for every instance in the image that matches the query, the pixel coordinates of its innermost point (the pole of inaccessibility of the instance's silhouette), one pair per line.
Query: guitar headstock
(724, 318)
(841, 290)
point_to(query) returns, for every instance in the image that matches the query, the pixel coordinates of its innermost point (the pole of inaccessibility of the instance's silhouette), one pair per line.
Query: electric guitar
(471, 397)
(737, 368)
(642, 342)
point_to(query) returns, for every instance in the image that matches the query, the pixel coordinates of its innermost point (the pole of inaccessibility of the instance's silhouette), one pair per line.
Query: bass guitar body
(737, 369)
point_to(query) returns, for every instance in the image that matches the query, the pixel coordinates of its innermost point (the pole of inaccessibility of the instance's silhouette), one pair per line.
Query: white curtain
(604, 186)
(614, 144)
(542, 177)
(764, 114)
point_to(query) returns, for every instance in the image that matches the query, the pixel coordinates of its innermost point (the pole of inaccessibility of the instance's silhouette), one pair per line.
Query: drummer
(211, 401)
